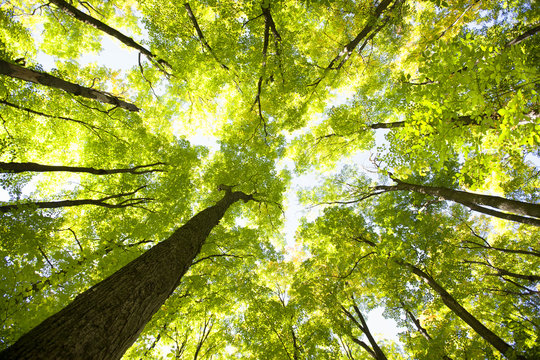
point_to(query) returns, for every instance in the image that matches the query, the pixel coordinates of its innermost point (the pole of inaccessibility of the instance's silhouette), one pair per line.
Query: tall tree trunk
(12, 167)
(464, 315)
(87, 19)
(70, 203)
(45, 79)
(104, 321)
(530, 211)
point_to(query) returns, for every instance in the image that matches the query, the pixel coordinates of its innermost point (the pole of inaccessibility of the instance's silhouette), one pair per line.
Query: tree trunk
(464, 120)
(34, 167)
(104, 321)
(375, 351)
(45, 79)
(464, 315)
(344, 55)
(379, 355)
(87, 19)
(473, 200)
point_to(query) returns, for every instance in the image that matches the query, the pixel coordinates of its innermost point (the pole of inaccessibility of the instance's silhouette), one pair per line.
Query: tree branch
(202, 39)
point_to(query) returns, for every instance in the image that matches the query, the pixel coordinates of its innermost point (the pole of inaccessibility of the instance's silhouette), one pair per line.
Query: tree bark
(104, 321)
(527, 34)
(45, 79)
(472, 200)
(34, 167)
(464, 315)
(87, 19)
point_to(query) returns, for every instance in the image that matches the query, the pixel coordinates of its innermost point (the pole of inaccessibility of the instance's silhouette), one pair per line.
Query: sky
(116, 56)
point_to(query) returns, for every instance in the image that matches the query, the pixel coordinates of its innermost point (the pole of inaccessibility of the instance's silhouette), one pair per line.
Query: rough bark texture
(45, 79)
(464, 315)
(34, 167)
(104, 321)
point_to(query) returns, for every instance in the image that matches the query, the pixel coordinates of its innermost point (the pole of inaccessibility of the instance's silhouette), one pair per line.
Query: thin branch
(75, 236)
(458, 18)
(216, 256)
(90, 127)
(355, 265)
(202, 39)
(144, 77)
(70, 203)
(46, 258)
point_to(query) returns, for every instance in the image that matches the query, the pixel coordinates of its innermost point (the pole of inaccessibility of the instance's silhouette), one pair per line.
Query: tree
(29, 166)
(124, 302)
(272, 97)
(373, 349)
(81, 16)
(473, 201)
(37, 77)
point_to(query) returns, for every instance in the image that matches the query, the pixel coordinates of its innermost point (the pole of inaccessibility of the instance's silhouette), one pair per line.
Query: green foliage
(437, 93)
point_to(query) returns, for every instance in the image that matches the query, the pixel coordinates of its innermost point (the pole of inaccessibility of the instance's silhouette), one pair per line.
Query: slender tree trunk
(45, 79)
(344, 55)
(34, 167)
(374, 350)
(474, 201)
(527, 34)
(70, 203)
(464, 120)
(104, 321)
(464, 315)
(87, 19)
(379, 355)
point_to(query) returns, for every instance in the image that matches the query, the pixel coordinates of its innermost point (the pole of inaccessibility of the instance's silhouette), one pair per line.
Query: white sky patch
(383, 328)
(4, 195)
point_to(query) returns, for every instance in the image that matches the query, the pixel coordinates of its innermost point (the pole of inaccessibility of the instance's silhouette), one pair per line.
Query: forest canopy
(404, 134)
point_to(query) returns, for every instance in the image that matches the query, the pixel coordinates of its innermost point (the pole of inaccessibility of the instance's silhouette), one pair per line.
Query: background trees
(442, 95)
